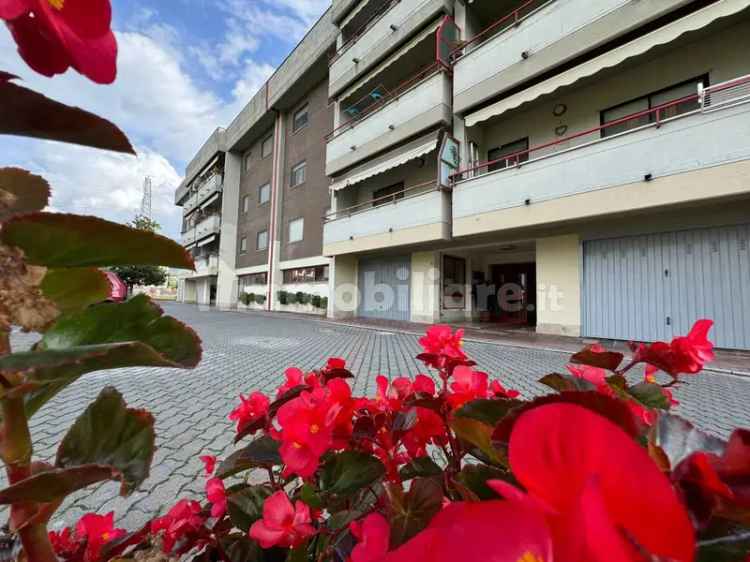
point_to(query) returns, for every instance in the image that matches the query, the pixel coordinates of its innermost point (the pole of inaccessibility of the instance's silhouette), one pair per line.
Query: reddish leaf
(27, 192)
(609, 360)
(56, 483)
(562, 383)
(260, 453)
(30, 114)
(410, 514)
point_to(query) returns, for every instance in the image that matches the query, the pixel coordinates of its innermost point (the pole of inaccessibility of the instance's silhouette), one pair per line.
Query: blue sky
(185, 67)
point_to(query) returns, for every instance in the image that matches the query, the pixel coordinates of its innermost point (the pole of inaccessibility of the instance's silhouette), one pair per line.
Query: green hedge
(285, 298)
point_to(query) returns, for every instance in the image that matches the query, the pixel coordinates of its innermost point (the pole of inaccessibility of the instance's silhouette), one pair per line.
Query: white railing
(207, 264)
(724, 94)
(210, 225)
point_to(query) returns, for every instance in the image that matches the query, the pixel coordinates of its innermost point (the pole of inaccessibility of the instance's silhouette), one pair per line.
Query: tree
(141, 275)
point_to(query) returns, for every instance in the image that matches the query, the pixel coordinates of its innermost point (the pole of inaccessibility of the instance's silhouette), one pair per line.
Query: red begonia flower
(63, 543)
(467, 385)
(217, 495)
(429, 428)
(209, 464)
(373, 534)
(183, 520)
(441, 340)
(595, 375)
(54, 35)
(336, 363)
(499, 391)
(580, 467)
(283, 524)
(685, 355)
(296, 377)
(97, 530)
(307, 425)
(250, 410)
(341, 397)
(490, 531)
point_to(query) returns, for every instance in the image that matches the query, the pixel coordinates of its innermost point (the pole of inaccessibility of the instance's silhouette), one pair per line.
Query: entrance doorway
(514, 294)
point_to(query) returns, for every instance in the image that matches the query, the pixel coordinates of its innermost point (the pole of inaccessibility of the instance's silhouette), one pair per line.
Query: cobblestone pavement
(249, 351)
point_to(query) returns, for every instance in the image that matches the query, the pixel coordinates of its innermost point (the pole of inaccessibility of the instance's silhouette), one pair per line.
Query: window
(296, 230)
(318, 274)
(650, 101)
(497, 155)
(261, 240)
(247, 161)
(266, 147)
(454, 282)
(245, 203)
(381, 196)
(243, 245)
(298, 174)
(264, 193)
(300, 119)
(252, 279)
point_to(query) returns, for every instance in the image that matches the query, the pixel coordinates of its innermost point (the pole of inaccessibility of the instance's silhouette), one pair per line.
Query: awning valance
(404, 49)
(661, 36)
(207, 240)
(388, 161)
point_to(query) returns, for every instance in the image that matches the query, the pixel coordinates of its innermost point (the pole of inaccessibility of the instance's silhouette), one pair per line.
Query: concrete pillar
(226, 290)
(558, 273)
(425, 287)
(277, 216)
(344, 293)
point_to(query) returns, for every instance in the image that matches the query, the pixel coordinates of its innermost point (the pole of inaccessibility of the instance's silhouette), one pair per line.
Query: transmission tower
(146, 201)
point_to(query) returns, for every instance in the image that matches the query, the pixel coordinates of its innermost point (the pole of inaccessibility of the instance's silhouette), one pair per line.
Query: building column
(558, 273)
(425, 287)
(343, 297)
(276, 230)
(226, 289)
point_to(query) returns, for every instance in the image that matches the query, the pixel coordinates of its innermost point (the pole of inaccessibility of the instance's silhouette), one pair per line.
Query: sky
(185, 67)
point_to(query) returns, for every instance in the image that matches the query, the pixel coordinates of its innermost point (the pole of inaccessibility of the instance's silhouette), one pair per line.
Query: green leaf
(60, 240)
(475, 477)
(310, 496)
(298, 554)
(564, 383)
(239, 548)
(487, 411)
(650, 395)
(478, 434)
(245, 506)
(348, 472)
(24, 192)
(263, 452)
(420, 467)
(412, 513)
(678, 439)
(104, 336)
(74, 289)
(108, 433)
(609, 360)
(30, 114)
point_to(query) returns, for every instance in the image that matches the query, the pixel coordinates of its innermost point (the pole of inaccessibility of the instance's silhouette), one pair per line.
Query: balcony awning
(661, 36)
(210, 200)
(190, 246)
(429, 30)
(207, 240)
(388, 161)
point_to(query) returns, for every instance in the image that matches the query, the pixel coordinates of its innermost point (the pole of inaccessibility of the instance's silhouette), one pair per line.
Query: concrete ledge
(403, 237)
(559, 330)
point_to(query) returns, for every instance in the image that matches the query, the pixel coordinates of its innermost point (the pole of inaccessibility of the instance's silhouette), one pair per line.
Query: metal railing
(505, 23)
(369, 24)
(378, 202)
(389, 96)
(725, 94)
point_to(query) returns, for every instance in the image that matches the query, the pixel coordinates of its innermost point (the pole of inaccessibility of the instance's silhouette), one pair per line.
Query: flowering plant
(451, 465)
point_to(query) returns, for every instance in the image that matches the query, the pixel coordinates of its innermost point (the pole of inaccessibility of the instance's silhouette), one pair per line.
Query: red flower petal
(89, 19)
(12, 9)
(555, 450)
(41, 50)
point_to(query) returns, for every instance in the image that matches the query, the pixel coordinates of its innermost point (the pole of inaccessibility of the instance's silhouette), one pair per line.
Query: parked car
(118, 290)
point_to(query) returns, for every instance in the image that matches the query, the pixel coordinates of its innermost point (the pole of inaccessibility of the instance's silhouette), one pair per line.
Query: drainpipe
(276, 188)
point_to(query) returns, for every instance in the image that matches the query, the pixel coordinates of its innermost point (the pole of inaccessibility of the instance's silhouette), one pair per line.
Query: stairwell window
(247, 161)
(266, 147)
(261, 240)
(243, 245)
(686, 89)
(299, 173)
(264, 193)
(296, 230)
(301, 118)
(245, 203)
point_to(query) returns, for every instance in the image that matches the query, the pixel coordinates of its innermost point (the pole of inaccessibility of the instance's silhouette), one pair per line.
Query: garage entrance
(654, 287)
(385, 288)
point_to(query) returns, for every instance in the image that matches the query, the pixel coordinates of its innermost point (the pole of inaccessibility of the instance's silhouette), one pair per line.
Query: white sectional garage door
(385, 288)
(653, 287)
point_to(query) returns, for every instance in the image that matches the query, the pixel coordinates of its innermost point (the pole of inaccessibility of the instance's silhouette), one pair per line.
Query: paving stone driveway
(249, 351)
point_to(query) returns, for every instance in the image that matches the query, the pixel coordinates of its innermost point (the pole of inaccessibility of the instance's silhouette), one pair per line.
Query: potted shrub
(283, 297)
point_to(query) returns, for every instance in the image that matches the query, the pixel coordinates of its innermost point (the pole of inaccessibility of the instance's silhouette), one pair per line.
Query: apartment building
(567, 166)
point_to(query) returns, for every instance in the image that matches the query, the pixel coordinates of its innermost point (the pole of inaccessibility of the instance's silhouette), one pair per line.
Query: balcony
(538, 36)
(208, 226)
(206, 265)
(415, 215)
(392, 24)
(208, 188)
(188, 237)
(662, 157)
(417, 105)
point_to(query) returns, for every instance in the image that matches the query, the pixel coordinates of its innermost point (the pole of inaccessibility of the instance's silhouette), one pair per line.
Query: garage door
(384, 285)
(654, 287)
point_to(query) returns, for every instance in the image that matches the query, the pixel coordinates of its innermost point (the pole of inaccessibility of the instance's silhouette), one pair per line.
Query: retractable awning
(207, 240)
(210, 200)
(661, 36)
(388, 161)
(404, 49)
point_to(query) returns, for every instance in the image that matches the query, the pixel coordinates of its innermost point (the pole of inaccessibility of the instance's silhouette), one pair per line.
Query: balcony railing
(207, 265)
(725, 94)
(203, 191)
(375, 18)
(379, 202)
